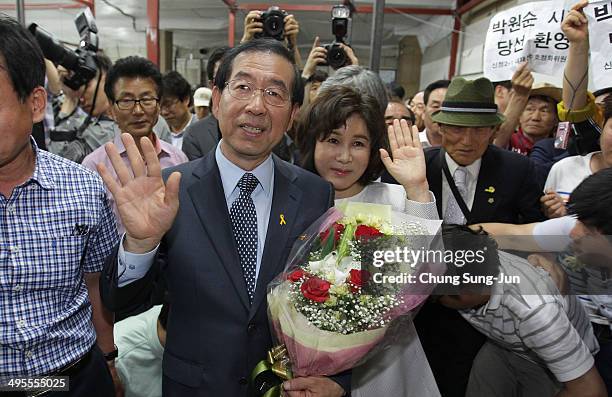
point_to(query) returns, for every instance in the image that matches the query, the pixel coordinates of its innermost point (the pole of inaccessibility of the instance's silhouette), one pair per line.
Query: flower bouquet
(328, 311)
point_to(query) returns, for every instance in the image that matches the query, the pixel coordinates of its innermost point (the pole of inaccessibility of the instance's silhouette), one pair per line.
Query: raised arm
(576, 75)
(522, 80)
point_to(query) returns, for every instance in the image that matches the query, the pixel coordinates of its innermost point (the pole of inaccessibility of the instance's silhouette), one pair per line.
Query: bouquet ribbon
(268, 375)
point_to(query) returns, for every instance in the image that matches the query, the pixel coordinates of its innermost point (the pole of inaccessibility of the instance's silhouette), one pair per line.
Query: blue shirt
(262, 195)
(135, 266)
(55, 227)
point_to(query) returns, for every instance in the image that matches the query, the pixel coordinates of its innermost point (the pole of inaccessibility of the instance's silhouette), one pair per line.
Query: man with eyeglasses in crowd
(134, 89)
(175, 106)
(396, 110)
(241, 209)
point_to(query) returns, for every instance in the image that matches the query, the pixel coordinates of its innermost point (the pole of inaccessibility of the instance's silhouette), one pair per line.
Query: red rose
(296, 275)
(366, 232)
(316, 289)
(338, 229)
(358, 278)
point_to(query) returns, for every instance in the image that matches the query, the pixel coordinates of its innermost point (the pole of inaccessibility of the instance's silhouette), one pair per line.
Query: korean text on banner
(599, 14)
(527, 33)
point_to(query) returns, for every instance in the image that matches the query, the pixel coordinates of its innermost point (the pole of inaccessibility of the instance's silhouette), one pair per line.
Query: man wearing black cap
(473, 181)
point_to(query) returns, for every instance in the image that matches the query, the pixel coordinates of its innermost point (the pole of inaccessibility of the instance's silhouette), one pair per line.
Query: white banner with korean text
(599, 14)
(527, 33)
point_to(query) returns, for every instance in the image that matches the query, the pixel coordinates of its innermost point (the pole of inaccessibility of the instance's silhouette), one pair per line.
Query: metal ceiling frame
(463, 7)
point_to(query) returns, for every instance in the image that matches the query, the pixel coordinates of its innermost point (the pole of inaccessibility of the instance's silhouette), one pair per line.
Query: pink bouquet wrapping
(330, 308)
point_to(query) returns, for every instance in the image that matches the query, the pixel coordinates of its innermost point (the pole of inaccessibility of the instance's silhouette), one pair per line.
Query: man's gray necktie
(244, 226)
(453, 214)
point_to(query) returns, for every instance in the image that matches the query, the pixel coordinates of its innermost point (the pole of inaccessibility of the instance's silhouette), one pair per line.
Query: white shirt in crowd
(471, 180)
(424, 139)
(177, 137)
(139, 363)
(566, 174)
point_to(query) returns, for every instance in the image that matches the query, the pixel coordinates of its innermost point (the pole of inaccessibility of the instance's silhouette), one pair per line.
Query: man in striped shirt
(56, 229)
(539, 342)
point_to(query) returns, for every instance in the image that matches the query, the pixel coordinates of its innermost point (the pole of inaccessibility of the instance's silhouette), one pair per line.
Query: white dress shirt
(470, 181)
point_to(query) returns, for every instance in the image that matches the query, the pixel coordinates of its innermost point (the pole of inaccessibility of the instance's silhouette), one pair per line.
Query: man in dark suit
(473, 181)
(241, 209)
(202, 136)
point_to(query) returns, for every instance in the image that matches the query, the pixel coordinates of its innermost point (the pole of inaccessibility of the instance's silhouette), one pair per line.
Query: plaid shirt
(55, 227)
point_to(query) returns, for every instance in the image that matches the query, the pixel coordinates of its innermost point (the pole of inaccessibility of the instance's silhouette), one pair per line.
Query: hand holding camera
(292, 28)
(252, 25)
(338, 51)
(317, 56)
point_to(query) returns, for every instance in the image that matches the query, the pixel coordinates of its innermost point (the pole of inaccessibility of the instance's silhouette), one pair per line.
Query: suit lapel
(209, 202)
(285, 201)
(434, 177)
(484, 204)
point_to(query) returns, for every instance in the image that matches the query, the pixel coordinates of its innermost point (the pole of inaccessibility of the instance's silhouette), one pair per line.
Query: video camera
(80, 62)
(273, 20)
(336, 56)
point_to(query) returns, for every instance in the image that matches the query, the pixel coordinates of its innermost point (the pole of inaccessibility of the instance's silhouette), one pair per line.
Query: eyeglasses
(410, 120)
(129, 104)
(244, 90)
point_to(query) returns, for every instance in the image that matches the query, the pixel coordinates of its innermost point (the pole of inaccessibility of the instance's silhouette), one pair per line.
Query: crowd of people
(140, 229)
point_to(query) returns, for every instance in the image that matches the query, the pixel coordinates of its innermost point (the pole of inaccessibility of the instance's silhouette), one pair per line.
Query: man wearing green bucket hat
(473, 181)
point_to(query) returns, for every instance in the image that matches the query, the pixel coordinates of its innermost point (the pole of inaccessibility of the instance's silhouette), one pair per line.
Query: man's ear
(294, 113)
(501, 91)
(216, 98)
(38, 104)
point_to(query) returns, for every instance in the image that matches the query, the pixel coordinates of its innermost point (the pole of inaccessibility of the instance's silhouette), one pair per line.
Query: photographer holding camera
(82, 124)
(78, 131)
(274, 23)
(319, 57)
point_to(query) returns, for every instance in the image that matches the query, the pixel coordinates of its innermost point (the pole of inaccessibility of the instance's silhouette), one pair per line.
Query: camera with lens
(336, 56)
(273, 20)
(80, 62)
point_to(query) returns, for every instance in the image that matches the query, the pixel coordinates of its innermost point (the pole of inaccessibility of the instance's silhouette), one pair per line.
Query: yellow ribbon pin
(282, 219)
(490, 189)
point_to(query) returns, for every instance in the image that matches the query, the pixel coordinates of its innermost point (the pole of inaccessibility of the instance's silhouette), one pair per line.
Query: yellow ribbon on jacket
(276, 365)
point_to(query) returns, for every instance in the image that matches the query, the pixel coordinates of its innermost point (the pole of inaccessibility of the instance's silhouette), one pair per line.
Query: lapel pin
(282, 220)
(303, 237)
(490, 189)
(491, 200)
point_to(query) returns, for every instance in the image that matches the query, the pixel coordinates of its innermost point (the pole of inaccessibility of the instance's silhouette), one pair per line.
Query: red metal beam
(153, 31)
(231, 30)
(231, 33)
(88, 3)
(359, 9)
(454, 47)
(469, 6)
